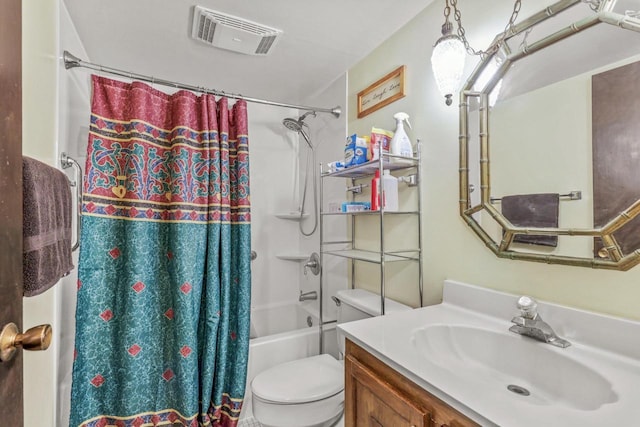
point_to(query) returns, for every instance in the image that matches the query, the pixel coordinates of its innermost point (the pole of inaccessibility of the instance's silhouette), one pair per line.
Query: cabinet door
(375, 403)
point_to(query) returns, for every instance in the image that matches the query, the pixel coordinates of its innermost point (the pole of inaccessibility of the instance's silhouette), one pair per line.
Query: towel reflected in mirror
(533, 211)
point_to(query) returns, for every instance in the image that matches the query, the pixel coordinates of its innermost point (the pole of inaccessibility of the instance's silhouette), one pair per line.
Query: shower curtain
(162, 320)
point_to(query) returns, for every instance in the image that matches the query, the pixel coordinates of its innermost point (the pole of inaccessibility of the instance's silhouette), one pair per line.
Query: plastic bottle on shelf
(375, 191)
(400, 143)
(390, 185)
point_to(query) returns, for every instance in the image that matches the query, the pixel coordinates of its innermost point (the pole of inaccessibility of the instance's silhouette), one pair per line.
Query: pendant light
(447, 59)
(450, 51)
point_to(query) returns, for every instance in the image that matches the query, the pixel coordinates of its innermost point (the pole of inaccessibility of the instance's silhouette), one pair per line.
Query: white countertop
(608, 345)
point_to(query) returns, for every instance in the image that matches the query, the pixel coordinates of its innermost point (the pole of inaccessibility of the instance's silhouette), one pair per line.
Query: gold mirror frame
(616, 261)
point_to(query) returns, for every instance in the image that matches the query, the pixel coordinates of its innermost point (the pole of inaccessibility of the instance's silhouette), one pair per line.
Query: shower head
(297, 125)
(292, 124)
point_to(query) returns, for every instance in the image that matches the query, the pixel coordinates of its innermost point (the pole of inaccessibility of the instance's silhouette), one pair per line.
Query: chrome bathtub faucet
(306, 296)
(530, 324)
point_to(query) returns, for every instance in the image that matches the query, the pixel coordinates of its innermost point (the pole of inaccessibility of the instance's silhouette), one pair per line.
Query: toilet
(309, 392)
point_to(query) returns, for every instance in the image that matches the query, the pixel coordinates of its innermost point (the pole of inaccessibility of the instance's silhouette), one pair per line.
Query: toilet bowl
(303, 393)
(309, 392)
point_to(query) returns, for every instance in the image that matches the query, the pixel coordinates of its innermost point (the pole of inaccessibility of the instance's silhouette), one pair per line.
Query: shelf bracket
(411, 180)
(357, 189)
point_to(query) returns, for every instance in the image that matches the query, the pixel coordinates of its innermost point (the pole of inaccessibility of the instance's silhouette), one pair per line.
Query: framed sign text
(383, 92)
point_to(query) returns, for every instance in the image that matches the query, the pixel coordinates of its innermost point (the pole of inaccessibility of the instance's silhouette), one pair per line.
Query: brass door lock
(35, 339)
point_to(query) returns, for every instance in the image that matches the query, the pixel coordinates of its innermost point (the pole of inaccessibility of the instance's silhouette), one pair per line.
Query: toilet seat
(300, 381)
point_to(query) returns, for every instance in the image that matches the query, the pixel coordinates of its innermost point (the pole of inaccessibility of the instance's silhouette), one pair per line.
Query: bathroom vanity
(459, 364)
(376, 395)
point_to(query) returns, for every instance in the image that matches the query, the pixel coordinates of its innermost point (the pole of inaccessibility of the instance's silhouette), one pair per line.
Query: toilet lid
(300, 381)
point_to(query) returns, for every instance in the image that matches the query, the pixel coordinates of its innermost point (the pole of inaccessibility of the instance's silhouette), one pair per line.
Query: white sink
(462, 352)
(536, 372)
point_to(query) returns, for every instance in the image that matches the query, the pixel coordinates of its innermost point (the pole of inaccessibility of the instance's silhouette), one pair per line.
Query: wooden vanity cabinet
(378, 396)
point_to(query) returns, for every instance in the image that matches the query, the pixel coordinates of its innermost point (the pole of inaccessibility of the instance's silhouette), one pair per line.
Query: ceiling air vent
(232, 33)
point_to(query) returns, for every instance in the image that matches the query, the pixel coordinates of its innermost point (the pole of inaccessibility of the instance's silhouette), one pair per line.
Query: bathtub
(278, 318)
(279, 333)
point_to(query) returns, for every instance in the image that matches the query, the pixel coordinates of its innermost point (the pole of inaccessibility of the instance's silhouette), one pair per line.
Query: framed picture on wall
(383, 92)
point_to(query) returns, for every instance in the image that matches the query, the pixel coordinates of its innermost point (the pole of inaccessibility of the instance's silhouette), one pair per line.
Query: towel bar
(573, 195)
(67, 162)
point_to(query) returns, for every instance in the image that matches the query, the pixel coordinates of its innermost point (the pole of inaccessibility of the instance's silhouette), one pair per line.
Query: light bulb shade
(447, 62)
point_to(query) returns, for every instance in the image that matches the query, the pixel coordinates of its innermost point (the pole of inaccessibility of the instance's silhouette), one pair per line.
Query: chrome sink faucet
(530, 324)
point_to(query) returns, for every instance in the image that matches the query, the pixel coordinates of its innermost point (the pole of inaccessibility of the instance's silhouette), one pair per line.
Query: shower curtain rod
(72, 61)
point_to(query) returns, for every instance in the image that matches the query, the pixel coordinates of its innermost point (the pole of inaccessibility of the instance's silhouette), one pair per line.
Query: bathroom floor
(249, 422)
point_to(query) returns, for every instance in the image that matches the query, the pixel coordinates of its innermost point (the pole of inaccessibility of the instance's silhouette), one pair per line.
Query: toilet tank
(356, 304)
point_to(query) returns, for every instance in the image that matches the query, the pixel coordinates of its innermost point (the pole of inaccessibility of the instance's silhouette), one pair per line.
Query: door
(11, 202)
(615, 103)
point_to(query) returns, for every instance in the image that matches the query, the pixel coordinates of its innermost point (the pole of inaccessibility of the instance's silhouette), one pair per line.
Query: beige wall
(39, 130)
(451, 249)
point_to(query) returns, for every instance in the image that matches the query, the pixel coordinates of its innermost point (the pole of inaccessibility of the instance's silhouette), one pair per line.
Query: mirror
(562, 89)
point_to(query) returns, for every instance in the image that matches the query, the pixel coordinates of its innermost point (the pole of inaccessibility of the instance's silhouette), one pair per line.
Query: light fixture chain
(593, 4)
(461, 32)
(523, 44)
(447, 10)
(496, 45)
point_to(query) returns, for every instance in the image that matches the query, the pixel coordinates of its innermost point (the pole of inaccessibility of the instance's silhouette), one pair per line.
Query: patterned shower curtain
(162, 320)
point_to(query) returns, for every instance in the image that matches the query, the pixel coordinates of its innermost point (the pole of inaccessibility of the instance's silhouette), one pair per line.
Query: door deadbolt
(35, 339)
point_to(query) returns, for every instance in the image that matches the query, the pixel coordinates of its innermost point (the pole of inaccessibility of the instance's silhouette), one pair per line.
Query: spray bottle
(400, 143)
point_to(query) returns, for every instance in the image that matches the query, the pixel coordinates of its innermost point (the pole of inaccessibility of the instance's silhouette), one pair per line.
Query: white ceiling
(322, 39)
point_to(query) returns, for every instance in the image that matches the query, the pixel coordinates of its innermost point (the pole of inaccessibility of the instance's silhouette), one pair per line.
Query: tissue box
(356, 206)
